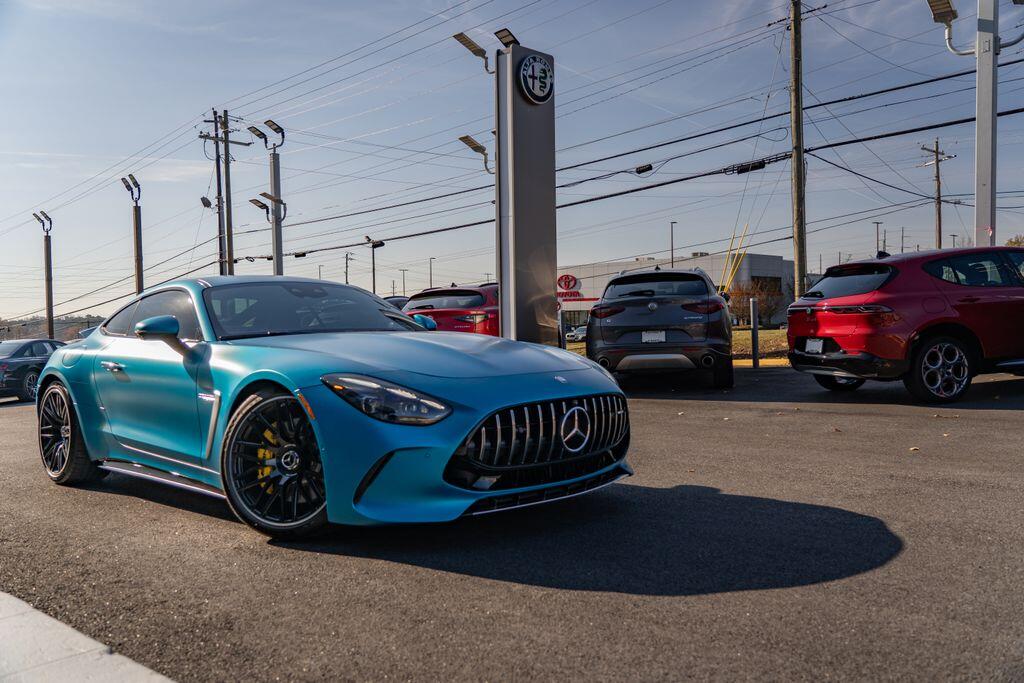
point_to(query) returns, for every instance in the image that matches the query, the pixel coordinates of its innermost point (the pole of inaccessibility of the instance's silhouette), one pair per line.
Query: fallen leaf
(914, 448)
(945, 434)
(681, 413)
(836, 429)
(726, 419)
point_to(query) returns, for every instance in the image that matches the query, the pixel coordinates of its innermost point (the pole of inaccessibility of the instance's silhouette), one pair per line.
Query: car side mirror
(162, 328)
(426, 321)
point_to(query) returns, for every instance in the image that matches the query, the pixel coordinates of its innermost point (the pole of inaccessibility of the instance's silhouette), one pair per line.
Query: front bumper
(839, 364)
(379, 473)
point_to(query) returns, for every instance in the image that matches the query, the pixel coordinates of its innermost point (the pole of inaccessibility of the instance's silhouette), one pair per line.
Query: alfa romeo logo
(536, 79)
(575, 429)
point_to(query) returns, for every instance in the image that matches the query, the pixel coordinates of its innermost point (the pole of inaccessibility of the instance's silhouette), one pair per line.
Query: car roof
(660, 271)
(929, 254)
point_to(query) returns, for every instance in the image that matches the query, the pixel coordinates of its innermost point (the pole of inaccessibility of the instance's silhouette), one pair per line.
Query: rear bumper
(861, 365)
(660, 357)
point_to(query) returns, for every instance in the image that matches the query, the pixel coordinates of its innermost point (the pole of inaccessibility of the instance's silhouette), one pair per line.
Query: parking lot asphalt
(771, 531)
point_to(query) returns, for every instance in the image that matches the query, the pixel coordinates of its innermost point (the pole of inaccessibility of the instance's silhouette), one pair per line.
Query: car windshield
(656, 284)
(9, 347)
(446, 299)
(850, 280)
(275, 308)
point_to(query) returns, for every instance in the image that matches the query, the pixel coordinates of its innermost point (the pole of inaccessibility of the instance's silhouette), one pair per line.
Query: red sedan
(459, 309)
(932, 319)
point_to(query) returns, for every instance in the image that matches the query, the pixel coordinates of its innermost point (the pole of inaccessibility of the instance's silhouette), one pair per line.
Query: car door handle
(111, 366)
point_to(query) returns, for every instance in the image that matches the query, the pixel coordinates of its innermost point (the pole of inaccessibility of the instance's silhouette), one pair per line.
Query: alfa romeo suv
(662, 321)
(459, 309)
(931, 319)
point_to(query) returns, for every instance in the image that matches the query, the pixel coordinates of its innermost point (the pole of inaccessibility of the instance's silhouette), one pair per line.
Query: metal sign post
(525, 195)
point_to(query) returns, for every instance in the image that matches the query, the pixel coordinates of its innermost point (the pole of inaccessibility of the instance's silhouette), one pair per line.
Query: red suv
(459, 309)
(932, 319)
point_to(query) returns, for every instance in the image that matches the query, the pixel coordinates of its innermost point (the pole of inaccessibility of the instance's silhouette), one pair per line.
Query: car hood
(438, 354)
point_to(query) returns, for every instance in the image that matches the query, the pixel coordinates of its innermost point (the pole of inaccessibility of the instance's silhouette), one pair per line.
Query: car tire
(271, 467)
(839, 383)
(61, 446)
(722, 376)
(941, 370)
(29, 385)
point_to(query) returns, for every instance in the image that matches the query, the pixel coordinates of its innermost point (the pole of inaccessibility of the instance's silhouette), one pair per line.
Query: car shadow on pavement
(13, 403)
(686, 540)
(783, 385)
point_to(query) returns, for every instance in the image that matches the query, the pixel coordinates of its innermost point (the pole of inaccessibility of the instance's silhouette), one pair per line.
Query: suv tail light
(3, 367)
(863, 310)
(472, 318)
(605, 311)
(704, 307)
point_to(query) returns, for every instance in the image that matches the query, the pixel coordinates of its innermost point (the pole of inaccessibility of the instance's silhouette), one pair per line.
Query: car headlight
(386, 401)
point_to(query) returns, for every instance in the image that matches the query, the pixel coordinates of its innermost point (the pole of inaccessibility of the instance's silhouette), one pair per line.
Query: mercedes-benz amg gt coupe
(303, 402)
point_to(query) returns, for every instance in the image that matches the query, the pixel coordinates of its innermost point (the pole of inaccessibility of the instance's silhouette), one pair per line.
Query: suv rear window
(656, 284)
(446, 299)
(850, 280)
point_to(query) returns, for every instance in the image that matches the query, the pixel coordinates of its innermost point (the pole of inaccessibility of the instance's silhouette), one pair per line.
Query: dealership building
(580, 287)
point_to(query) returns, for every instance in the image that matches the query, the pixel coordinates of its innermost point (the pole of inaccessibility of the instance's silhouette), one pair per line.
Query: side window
(982, 270)
(176, 303)
(119, 324)
(941, 270)
(1016, 258)
(40, 349)
(24, 352)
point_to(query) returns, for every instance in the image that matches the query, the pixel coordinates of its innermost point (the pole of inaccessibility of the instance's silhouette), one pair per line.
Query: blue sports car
(303, 402)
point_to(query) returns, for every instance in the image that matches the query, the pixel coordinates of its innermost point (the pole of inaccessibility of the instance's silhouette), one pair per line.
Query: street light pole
(47, 224)
(374, 246)
(135, 191)
(672, 243)
(403, 271)
(878, 236)
(430, 266)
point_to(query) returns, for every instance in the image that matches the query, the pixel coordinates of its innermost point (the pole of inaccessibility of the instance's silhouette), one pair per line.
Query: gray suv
(662, 321)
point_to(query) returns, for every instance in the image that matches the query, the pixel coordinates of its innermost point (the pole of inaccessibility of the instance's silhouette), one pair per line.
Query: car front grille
(523, 445)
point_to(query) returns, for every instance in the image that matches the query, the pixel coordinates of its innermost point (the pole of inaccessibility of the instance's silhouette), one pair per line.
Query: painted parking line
(36, 647)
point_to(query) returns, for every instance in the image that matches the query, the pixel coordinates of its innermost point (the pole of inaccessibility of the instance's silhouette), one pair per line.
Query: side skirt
(168, 478)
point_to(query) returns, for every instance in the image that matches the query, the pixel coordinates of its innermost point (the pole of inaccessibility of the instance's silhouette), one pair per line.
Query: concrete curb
(36, 647)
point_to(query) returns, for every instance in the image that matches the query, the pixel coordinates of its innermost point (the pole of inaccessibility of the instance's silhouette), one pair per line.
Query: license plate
(814, 345)
(652, 337)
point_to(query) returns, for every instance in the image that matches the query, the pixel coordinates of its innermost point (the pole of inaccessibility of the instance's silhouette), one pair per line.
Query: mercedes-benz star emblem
(575, 429)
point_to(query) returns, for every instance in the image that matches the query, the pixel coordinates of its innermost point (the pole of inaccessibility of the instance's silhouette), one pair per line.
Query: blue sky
(90, 83)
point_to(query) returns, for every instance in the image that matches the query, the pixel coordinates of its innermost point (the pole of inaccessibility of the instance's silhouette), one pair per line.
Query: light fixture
(271, 198)
(470, 141)
(260, 205)
(135, 182)
(127, 185)
(943, 11)
(474, 48)
(506, 37)
(48, 219)
(205, 201)
(269, 123)
(258, 133)
(36, 216)
(374, 244)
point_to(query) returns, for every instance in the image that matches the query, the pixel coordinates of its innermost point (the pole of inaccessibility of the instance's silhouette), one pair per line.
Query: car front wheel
(941, 371)
(60, 440)
(270, 463)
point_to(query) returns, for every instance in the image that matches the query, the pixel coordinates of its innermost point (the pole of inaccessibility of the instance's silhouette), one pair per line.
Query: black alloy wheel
(60, 442)
(29, 386)
(273, 475)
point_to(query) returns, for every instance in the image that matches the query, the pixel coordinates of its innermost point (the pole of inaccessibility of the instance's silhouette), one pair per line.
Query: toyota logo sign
(567, 281)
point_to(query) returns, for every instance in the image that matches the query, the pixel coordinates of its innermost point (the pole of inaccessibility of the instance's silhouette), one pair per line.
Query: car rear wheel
(29, 386)
(60, 440)
(941, 370)
(839, 383)
(273, 475)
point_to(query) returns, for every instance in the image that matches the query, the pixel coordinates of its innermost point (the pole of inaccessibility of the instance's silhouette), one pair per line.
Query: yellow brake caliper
(264, 454)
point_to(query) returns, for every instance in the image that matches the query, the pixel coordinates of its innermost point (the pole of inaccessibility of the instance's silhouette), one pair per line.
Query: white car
(577, 335)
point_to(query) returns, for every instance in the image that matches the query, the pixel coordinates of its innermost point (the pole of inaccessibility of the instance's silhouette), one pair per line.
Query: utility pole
(226, 239)
(403, 271)
(320, 271)
(392, 288)
(132, 185)
(47, 224)
(672, 243)
(878, 232)
(903, 232)
(953, 235)
(885, 241)
(348, 256)
(431, 268)
(820, 269)
(229, 238)
(796, 122)
(939, 157)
